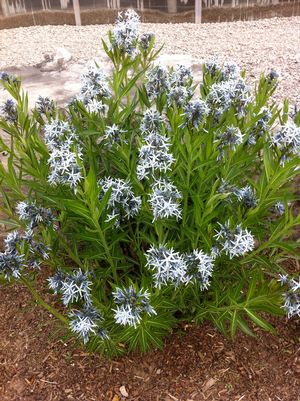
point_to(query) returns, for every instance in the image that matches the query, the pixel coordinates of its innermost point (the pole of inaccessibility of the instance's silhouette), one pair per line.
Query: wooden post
(172, 6)
(198, 11)
(76, 8)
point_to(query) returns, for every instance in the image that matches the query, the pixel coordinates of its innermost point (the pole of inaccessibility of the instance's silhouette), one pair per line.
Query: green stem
(159, 232)
(43, 303)
(71, 254)
(137, 247)
(107, 251)
(186, 199)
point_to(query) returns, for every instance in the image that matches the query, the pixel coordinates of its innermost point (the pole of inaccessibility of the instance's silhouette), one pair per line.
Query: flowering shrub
(150, 200)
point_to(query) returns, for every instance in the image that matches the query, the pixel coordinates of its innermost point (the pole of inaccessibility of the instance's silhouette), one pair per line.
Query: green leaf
(259, 321)
(78, 208)
(244, 327)
(233, 323)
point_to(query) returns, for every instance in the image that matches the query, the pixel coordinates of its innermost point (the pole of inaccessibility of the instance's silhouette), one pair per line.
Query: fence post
(76, 8)
(198, 11)
(172, 6)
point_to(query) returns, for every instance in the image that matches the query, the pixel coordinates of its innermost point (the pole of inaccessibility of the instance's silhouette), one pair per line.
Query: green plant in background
(151, 200)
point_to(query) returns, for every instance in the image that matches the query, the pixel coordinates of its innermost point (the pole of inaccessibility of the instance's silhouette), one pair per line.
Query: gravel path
(255, 45)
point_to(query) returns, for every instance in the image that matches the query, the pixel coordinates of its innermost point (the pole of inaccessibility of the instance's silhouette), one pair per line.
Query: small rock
(56, 61)
(123, 391)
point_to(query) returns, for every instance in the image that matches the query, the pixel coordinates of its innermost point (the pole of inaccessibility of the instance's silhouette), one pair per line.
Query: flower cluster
(125, 33)
(226, 94)
(20, 251)
(9, 78)
(9, 111)
(157, 81)
(122, 202)
(199, 268)
(87, 322)
(113, 134)
(272, 77)
(229, 139)
(169, 266)
(230, 70)
(245, 195)
(292, 296)
(64, 154)
(279, 208)
(180, 81)
(11, 263)
(261, 126)
(45, 106)
(130, 305)
(155, 154)
(176, 83)
(195, 112)
(96, 106)
(164, 200)
(287, 140)
(152, 122)
(212, 67)
(145, 41)
(235, 242)
(73, 287)
(94, 87)
(34, 215)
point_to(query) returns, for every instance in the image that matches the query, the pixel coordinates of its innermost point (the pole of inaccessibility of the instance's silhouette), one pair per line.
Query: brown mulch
(197, 363)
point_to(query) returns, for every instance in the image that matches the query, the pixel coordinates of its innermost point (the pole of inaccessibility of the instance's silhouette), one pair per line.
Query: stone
(123, 391)
(56, 61)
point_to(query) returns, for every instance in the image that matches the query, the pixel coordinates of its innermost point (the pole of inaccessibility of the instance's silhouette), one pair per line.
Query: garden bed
(198, 363)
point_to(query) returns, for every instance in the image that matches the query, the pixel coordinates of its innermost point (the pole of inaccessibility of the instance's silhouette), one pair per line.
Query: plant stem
(43, 303)
(107, 251)
(71, 254)
(159, 231)
(186, 198)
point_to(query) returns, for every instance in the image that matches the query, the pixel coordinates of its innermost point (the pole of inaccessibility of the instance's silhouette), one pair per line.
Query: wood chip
(172, 397)
(208, 384)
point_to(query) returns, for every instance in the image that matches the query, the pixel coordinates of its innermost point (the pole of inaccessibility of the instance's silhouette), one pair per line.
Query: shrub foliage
(150, 199)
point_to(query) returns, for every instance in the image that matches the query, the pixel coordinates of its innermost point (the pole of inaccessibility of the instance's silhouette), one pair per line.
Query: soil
(105, 16)
(197, 363)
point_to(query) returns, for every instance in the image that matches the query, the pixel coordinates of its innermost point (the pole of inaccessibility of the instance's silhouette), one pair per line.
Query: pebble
(123, 391)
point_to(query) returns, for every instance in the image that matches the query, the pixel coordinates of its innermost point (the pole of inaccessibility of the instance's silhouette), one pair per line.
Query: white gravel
(255, 45)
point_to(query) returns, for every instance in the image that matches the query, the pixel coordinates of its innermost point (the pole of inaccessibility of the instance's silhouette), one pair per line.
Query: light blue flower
(165, 200)
(131, 304)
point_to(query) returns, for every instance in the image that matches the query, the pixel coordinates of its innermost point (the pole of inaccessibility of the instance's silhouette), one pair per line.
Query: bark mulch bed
(197, 363)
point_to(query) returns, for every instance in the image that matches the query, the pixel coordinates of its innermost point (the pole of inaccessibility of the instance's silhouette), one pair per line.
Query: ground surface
(255, 45)
(197, 363)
